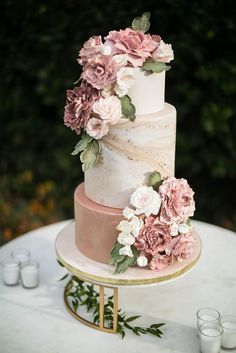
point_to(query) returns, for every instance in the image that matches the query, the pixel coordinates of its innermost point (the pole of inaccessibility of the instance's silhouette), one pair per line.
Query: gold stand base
(101, 326)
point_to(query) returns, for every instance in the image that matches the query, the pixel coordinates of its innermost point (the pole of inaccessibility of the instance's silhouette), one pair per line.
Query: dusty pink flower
(183, 248)
(100, 71)
(91, 47)
(177, 200)
(153, 236)
(137, 45)
(96, 128)
(159, 262)
(79, 105)
(163, 53)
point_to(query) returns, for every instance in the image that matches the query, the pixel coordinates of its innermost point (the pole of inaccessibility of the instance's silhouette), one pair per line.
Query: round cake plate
(103, 274)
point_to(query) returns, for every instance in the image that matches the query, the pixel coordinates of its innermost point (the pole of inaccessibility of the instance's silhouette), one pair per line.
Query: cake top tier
(123, 75)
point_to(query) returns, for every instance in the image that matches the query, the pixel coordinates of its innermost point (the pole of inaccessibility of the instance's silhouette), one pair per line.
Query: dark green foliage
(39, 46)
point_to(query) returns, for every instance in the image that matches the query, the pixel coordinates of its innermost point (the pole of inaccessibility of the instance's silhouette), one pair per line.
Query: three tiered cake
(130, 210)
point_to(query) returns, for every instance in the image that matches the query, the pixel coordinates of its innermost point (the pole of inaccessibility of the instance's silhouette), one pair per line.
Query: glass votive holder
(29, 274)
(207, 314)
(210, 334)
(10, 271)
(22, 255)
(228, 323)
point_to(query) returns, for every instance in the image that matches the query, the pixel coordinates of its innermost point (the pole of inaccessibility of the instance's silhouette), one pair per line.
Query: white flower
(125, 239)
(106, 92)
(124, 227)
(128, 213)
(163, 53)
(120, 59)
(174, 229)
(136, 224)
(146, 200)
(184, 228)
(109, 109)
(96, 128)
(106, 49)
(142, 261)
(126, 250)
(125, 79)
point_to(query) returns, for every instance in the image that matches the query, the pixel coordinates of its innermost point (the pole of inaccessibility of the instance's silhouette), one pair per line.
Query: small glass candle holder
(22, 255)
(228, 322)
(29, 273)
(207, 314)
(10, 271)
(210, 334)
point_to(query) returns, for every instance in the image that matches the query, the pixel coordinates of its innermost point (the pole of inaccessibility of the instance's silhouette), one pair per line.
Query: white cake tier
(148, 92)
(129, 153)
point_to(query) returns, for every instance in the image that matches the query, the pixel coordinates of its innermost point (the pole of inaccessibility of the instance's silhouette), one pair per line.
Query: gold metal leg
(101, 309)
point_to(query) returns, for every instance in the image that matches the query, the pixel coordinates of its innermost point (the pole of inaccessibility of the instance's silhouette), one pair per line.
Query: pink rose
(153, 236)
(159, 262)
(183, 248)
(96, 128)
(163, 53)
(108, 109)
(177, 201)
(91, 47)
(137, 45)
(100, 71)
(79, 105)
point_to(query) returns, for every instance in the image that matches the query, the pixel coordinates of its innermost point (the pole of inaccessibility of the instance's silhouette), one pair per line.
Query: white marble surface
(36, 321)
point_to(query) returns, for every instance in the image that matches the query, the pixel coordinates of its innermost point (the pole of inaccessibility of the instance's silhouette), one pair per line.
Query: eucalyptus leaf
(128, 261)
(142, 23)
(128, 109)
(155, 180)
(155, 66)
(89, 156)
(82, 144)
(115, 256)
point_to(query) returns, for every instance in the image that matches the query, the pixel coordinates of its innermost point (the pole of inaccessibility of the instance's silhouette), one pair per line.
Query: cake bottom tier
(95, 227)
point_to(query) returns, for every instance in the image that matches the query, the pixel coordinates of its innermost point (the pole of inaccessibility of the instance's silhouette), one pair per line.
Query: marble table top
(36, 320)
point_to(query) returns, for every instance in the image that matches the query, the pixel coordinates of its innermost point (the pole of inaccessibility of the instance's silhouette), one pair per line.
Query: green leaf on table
(142, 23)
(132, 318)
(155, 180)
(60, 263)
(128, 109)
(82, 144)
(64, 277)
(89, 156)
(154, 66)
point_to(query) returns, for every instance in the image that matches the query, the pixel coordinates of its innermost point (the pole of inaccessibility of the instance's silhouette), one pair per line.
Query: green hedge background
(40, 41)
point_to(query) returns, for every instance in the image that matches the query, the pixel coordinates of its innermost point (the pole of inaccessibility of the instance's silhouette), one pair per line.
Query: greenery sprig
(83, 294)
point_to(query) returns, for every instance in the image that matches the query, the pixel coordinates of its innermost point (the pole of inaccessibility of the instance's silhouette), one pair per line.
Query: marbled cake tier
(95, 227)
(129, 153)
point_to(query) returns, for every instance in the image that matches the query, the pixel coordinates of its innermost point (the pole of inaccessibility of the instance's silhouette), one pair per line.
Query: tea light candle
(22, 255)
(10, 270)
(210, 337)
(207, 314)
(29, 274)
(228, 322)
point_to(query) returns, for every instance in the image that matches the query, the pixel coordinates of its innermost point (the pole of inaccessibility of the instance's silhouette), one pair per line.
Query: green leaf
(155, 180)
(128, 109)
(142, 23)
(115, 256)
(132, 318)
(65, 276)
(60, 263)
(82, 144)
(89, 156)
(155, 66)
(75, 304)
(122, 266)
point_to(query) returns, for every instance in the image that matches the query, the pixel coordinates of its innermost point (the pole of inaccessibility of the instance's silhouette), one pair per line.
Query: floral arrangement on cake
(108, 72)
(156, 232)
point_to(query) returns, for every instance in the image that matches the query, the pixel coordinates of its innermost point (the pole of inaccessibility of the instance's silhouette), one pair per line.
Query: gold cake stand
(102, 275)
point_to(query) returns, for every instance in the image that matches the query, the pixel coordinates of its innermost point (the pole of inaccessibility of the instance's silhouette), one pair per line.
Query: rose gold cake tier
(95, 227)
(97, 272)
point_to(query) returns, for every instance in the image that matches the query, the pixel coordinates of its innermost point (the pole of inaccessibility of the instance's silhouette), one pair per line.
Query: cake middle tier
(129, 153)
